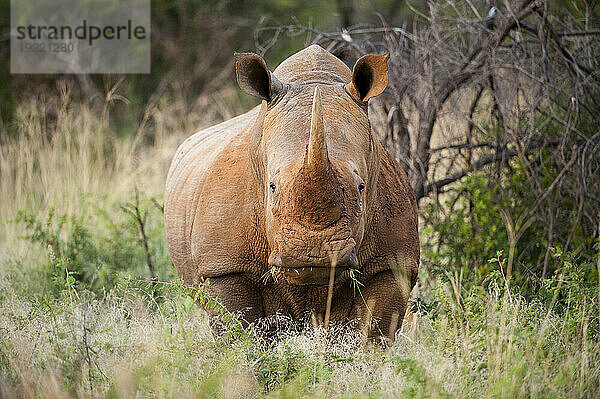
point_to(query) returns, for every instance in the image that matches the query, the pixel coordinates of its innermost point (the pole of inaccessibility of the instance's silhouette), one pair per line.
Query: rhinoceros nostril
(352, 262)
(275, 259)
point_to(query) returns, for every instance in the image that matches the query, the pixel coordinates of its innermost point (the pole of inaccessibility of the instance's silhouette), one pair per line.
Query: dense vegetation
(80, 315)
(86, 310)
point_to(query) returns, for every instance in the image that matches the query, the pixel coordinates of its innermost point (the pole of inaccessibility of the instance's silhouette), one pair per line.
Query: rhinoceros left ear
(369, 77)
(254, 77)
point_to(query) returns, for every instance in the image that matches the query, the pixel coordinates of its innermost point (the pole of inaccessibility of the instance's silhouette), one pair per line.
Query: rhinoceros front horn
(316, 153)
(317, 193)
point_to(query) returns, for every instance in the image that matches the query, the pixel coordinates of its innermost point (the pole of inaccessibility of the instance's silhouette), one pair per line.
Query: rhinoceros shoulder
(203, 196)
(206, 144)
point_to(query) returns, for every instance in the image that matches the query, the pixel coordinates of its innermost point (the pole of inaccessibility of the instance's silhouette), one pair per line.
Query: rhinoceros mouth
(312, 275)
(341, 258)
(306, 273)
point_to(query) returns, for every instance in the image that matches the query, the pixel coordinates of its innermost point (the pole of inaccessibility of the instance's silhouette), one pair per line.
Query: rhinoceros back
(186, 181)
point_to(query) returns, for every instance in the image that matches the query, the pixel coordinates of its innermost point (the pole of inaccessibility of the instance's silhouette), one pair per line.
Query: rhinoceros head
(315, 158)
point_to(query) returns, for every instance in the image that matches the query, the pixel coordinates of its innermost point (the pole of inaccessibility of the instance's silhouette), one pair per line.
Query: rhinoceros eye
(272, 186)
(361, 187)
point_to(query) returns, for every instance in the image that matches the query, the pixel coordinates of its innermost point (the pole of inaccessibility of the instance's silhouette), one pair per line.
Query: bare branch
(133, 209)
(483, 161)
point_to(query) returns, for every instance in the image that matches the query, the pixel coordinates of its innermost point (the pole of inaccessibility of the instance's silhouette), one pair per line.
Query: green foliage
(574, 291)
(278, 369)
(81, 257)
(481, 217)
(471, 232)
(420, 385)
(493, 331)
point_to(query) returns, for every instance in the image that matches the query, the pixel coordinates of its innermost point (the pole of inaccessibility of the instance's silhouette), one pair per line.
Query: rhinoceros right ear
(369, 77)
(254, 77)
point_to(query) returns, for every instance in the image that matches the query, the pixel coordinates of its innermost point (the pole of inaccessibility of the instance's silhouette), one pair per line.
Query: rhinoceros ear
(254, 77)
(369, 77)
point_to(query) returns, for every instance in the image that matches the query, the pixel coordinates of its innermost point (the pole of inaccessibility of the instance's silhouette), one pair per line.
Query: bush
(95, 260)
(479, 218)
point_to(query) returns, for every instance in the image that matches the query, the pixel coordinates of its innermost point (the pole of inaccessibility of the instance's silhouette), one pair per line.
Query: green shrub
(97, 249)
(479, 218)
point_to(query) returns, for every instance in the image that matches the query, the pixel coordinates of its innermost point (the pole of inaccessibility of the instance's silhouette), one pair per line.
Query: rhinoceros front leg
(238, 294)
(381, 306)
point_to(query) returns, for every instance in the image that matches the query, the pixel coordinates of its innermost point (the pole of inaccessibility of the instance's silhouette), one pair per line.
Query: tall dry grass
(70, 158)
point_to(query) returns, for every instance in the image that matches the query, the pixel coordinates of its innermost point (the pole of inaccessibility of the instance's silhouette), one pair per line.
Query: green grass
(79, 315)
